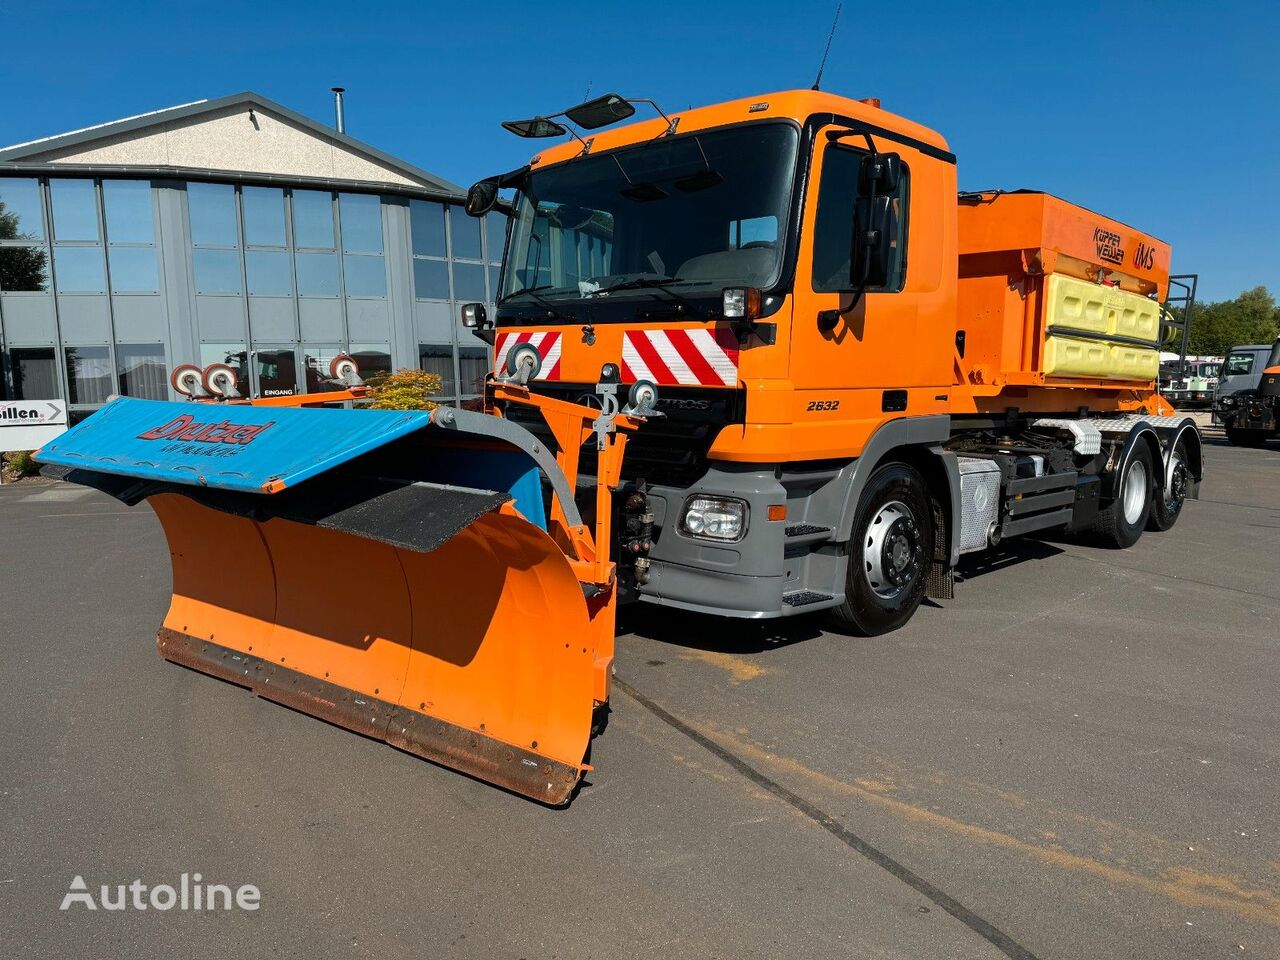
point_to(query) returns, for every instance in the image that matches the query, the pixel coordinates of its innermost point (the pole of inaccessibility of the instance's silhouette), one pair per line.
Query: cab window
(833, 227)
(1238, 365)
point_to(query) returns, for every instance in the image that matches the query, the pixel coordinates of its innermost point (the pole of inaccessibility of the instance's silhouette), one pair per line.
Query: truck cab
(798, 279)
(1247, 399)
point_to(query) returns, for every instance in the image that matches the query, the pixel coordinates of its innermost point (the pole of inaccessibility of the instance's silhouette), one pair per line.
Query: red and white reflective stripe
(548, 346)
(679, 357)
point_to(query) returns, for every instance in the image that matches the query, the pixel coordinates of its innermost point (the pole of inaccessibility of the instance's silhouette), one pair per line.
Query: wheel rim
(1135, 491)
(1176, 491)
(891, 550)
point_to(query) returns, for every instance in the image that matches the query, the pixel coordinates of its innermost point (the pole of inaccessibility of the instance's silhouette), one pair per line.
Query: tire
(1121, 522)
(1167, 503)
(890, 550)
(1247, 438)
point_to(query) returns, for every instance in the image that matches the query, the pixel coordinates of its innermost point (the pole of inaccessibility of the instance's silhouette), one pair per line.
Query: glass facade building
(110, 280)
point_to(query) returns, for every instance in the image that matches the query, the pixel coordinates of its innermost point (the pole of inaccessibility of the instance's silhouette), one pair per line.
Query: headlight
(714, 518)
(1226, 401)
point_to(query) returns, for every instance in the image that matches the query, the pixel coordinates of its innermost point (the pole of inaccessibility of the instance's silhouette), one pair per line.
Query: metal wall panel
(220, 319)
(433, 322)
(84, 319)
(272, 319)
(29, 320)
(321, 320)
(139, 319)
(368, 320)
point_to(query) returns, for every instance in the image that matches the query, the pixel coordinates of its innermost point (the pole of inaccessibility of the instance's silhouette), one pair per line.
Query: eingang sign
(30, 424)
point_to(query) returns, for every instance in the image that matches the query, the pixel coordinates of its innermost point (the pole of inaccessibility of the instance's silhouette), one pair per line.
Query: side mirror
(880, 173)
(482, 197)
(874, 221)
(476, 319)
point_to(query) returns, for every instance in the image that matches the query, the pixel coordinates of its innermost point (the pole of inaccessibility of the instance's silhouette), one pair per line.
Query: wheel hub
(1135, 491)
(892, 550)
(1177, 491)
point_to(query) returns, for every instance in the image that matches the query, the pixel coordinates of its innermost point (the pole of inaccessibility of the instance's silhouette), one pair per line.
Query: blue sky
(1164, 115)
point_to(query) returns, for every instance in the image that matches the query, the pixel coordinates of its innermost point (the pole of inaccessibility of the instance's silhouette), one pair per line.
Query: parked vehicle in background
(1247, 400)
(1191, 383)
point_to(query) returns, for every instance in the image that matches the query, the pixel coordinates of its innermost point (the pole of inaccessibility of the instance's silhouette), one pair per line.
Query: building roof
(64, 145)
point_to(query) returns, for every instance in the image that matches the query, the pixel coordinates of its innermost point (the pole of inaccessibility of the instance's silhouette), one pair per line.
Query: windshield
(692, 213)
(1238, 364)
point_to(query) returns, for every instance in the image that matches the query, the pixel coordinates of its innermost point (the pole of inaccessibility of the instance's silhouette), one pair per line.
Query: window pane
(75, 210)
(496, 231)
(313, 219)
(142, 371)
(838, 203)
(365, 276)
(35, 373)
(361, 218)
(263, 216)
(466, 233)
(438, 359)
(317, 274)
(128, 209)
(268, 273)
(473, 366)
(232, 354)
(79, 270)
(213, 214)
(133, 270)
(24, 269)
(217, 271)
(89, 377)
(427, 220)
(20, 210)
(468, 282)
(431, 279)
(493, 279)
(373, 359)
(277, 372)
(315, 366)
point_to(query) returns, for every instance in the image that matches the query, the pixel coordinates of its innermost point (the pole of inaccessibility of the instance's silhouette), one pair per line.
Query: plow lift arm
(398, 573)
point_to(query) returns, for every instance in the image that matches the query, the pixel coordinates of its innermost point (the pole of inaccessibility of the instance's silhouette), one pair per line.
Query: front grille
(669, 450)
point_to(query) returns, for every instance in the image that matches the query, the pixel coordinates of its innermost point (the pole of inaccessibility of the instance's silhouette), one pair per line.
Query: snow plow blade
(395, 573)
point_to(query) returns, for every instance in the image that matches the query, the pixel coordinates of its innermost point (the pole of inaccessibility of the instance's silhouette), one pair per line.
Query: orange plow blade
(458, 655)
(348, 573)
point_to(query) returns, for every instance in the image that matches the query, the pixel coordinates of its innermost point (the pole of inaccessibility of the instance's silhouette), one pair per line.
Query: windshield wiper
(552, 312)
(641, 283)
(522, 292)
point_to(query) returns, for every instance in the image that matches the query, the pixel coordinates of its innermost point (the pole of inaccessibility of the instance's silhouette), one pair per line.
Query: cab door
(887, 352)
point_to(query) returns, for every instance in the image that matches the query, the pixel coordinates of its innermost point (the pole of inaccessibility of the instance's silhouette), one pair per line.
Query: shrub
(405, 390)
(21, 464)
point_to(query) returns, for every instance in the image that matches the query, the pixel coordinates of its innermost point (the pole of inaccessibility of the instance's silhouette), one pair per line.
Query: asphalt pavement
(1075, 757)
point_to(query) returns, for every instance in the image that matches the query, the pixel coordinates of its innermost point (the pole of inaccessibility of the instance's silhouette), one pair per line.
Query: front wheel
(1247, 438)
(889, 552)
(1121, 522)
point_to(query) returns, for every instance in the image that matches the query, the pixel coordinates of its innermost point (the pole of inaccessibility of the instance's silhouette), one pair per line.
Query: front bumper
(746, 579)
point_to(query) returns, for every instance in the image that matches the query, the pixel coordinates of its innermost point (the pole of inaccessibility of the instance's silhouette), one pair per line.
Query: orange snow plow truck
(758, 360)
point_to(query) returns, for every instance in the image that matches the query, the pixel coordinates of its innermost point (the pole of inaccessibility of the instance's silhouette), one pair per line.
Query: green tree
(1251, 317)
(21, 268)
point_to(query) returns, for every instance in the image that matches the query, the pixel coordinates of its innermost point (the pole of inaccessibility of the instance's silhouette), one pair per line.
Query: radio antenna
(817, 83)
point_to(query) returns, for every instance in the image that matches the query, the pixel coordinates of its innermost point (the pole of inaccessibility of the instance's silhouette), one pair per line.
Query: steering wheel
(758, 245)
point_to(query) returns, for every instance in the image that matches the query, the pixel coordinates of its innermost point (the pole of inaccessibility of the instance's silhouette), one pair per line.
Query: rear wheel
(1121, 522)
(1247, 438)
(1167, 503)
(888, 553)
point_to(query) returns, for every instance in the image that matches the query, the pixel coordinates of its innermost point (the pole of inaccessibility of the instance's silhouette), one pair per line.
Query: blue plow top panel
(225, 446)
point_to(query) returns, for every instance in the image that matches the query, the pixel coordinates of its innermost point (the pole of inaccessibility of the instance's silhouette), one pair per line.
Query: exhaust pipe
(339, 117)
